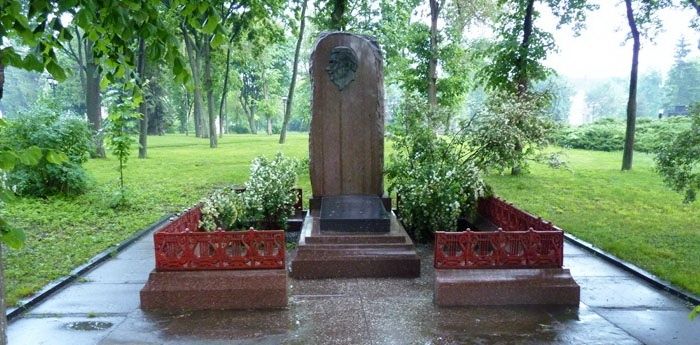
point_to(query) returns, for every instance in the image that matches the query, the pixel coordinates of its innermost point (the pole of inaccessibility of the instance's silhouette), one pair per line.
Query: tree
(290, 94)
(641, 21)
(606, 99)
(332, 14)
(677, 162)
(81, 52)
(651, 95)
(683, 81)
(517, 56)
(561, 92)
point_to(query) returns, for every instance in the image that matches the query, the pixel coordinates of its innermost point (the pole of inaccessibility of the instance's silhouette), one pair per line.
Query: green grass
(63, 233)
(629, 214)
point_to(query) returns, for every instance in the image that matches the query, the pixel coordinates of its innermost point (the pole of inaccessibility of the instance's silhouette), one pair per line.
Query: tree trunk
(632, 99)
(433, 60)
(194, 68)
(522, 80)
(250, 114)
(3, 317)
(251, 121)
(93, 99)
(209, 86)
(82, 68)
(295, 69)
(143, 108)
(2, 75)
(225, 88)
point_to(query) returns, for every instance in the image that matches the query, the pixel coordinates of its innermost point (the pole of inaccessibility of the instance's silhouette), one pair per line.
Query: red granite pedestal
(331, 254)
(528, 286)
(215, 290)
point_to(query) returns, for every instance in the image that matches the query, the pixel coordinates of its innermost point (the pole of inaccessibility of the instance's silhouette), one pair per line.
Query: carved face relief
(342, 66)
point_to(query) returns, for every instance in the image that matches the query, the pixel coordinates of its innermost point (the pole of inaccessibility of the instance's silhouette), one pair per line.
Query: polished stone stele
(346, 139)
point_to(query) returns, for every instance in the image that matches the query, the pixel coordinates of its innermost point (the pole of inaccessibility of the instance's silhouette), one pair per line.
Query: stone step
(346, 238)
(398, 266)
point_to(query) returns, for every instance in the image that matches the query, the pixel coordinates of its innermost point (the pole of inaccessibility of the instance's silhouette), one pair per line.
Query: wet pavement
(102, 308)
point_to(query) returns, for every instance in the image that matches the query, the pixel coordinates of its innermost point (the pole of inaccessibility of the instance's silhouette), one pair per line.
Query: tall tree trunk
(433, 60)
(3, 317)
(2, 75)
(295, 69)
(338, 15)
(81, 63)
(194, 68)
(209, 86)
(522, 79)
(93, 99)
(250, 114)
(632, 99)
(225, 88)
(143, 108)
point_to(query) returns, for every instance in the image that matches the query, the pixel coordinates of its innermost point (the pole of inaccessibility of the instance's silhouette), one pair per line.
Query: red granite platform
(212, 290)
(478, 287)
(330, 254)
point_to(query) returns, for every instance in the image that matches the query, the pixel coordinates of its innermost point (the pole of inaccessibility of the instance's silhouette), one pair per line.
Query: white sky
(601, 51)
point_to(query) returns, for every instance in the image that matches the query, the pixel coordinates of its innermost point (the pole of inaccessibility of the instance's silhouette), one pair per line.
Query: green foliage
(510, 129)
(223, 209)
(11, 158)
(683, 81)
(609, 134)
(516, 61)
(694, 313)
(434, 176)
(678, 161)
(119, 130)
(42, 127)
(268, 196)
(439, 177)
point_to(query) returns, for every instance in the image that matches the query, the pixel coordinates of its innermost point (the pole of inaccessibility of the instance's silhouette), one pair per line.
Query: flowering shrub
(222, 210)
(429, 172)
(268, 196)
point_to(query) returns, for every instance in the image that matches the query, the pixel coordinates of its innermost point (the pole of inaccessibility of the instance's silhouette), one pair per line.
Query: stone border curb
(636, 271)
(58, 284)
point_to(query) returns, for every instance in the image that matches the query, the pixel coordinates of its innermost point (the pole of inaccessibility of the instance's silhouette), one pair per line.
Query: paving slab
(627, 292)
(58, 331)
(591, 266)
(92, 298)
(122, 271)
(656, 327)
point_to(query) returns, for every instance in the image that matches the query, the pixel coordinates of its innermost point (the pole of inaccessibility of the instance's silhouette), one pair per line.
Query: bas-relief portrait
(342, 65)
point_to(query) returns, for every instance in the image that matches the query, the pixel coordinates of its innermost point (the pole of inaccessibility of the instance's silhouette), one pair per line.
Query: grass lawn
(629, 214)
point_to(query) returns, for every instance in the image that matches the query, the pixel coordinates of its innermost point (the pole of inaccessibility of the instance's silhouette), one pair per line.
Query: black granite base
(354, 213)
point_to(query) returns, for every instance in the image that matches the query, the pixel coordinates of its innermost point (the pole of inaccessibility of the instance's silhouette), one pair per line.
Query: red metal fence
(179, 246)
(522, 241)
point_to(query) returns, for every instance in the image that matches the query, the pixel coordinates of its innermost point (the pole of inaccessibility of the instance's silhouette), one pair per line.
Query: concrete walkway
(103, 308)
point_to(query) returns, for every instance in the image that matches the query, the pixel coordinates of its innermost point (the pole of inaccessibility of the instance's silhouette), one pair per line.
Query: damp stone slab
(479, 287)
(354, 213)
(215, 290)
